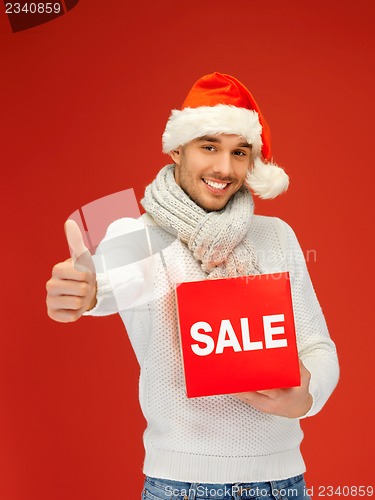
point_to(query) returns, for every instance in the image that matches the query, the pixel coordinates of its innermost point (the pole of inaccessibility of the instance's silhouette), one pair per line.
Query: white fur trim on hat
(267, 180)
(190, 123)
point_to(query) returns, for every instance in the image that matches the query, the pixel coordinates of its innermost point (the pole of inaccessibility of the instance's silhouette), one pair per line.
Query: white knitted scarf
(216, 239)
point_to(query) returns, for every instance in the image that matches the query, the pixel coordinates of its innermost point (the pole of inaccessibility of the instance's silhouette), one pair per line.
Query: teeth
(216, 185)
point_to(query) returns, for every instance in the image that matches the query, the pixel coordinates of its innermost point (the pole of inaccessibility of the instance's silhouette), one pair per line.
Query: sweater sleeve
(316, 349)
(105, 299)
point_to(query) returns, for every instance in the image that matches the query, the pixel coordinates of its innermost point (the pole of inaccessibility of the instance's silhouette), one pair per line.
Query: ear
(176, 156)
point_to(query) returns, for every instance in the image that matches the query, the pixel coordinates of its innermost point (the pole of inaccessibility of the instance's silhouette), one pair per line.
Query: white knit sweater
(216, 439)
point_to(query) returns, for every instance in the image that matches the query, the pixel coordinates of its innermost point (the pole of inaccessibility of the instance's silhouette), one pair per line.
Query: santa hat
(217, 104)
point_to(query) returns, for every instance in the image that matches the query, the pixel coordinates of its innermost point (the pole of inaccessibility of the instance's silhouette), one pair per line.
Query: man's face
(211, 169)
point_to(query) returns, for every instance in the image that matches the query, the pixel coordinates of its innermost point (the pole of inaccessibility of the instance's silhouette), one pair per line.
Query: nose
(223, 165)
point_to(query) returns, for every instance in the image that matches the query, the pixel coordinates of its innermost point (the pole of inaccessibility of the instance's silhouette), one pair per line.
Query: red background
(84, 100)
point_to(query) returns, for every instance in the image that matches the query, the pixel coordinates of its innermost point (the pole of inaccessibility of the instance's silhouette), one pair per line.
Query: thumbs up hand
(71, 291)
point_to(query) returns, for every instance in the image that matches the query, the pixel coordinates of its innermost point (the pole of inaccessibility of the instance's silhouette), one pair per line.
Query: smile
(216, 185)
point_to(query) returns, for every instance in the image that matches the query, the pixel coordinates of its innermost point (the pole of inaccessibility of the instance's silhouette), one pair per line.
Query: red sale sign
(237, 334)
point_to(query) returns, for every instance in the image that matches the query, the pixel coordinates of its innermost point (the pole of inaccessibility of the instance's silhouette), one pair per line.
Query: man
(228, 446)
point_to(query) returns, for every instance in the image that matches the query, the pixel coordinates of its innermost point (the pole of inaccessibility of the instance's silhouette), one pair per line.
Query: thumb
(78, 250)
(75, 240)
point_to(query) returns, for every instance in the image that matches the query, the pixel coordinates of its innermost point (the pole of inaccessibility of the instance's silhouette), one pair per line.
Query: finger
(78, 250)
(66, 271)
(65, 302)
(56, 287)
(258, 401)
(64, 316)
(75, 239)
(84, 263)
(270, 393)
(251, 397)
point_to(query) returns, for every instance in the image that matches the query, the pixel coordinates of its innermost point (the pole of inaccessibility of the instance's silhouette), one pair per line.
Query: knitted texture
(216, 439)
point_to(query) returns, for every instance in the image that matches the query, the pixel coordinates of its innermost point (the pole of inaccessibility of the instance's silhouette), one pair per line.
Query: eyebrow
(211, 138)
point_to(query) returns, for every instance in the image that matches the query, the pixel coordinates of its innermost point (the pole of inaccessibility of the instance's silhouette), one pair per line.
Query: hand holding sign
(293, 402)
(72, 288)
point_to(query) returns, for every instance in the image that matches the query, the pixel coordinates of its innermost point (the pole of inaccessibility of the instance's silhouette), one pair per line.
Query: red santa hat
(219, 103)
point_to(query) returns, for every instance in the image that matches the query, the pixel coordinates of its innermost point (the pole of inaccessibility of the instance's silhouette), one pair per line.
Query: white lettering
(270, 331)
(201, 337)
(232, 341)
(227, 336)
(247, 344)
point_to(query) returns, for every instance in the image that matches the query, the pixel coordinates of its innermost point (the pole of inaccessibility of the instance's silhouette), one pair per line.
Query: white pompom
(267, 180)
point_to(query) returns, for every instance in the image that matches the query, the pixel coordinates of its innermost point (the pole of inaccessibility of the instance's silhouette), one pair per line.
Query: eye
(209, 148)
(239, 153)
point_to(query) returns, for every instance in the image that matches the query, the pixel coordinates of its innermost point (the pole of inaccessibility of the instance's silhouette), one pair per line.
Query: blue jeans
(293, 488)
